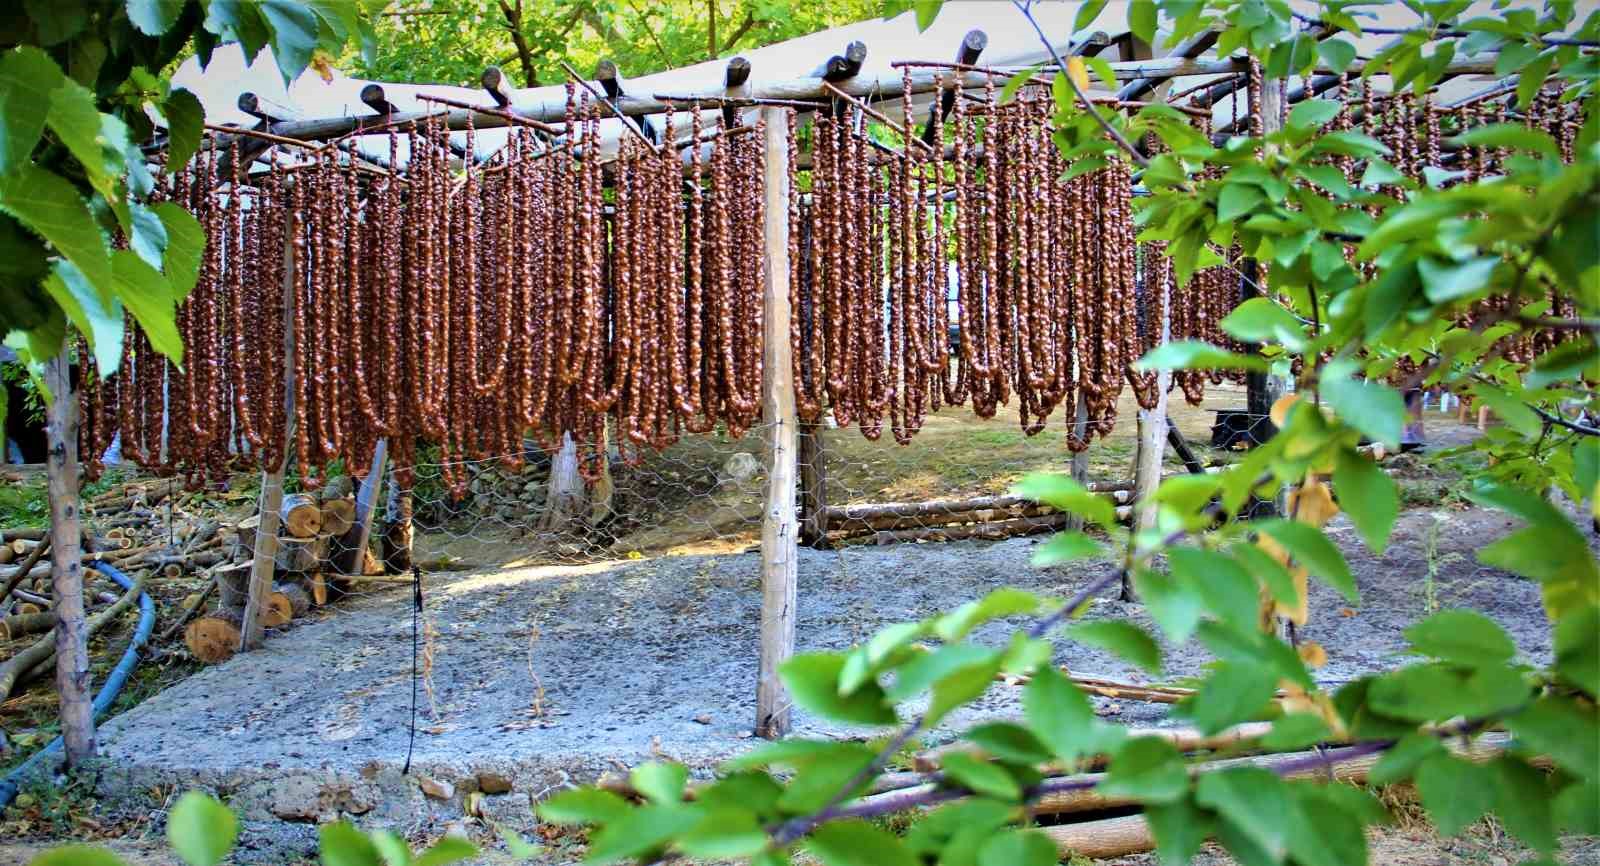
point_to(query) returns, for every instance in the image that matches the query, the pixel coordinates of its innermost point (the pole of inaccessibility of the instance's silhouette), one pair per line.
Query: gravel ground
(545, 676)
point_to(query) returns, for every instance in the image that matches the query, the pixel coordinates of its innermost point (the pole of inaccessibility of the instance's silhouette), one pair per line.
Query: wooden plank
(66, 569)
(779, 524)
(266, 541)
(367, 501)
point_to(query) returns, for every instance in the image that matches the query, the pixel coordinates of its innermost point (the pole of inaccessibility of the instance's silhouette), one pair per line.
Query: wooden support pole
(1152, 422)
(813, 486)
(266, 541)
(972, 46)
(779, 529)
(1080, 459)
(367, 496)
(66, 568)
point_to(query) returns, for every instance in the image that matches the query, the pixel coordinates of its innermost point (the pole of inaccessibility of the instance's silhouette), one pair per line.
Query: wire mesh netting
(706, 493)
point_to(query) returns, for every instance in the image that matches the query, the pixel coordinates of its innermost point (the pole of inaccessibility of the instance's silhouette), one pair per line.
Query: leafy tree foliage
(79, 82)
(452, 41)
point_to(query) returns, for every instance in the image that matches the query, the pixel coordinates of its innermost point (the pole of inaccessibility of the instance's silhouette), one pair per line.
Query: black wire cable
(416, 620)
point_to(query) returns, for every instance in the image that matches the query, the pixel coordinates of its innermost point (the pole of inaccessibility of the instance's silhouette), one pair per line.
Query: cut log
(213, 638)
(950, 506)
(1109, 837)
(245, 531)
(233, 585)
(301, 555)
(338, 515)
(991, 531)
(24, 532)
(25, 566)
(336, 488)
(396, 543)
(301, 515)
(925, 521)
(42, 651)
(17, 625)
(278, 612)
(299, 600)
(319, 588)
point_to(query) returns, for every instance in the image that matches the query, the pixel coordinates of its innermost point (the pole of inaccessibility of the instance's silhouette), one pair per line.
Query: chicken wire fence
(706, 493)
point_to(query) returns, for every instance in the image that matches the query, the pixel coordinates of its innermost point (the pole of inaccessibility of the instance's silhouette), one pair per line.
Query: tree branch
(1024, 6)
(743, 28)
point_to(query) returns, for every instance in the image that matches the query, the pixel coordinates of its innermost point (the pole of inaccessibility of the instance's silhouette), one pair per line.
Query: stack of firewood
(315, 555)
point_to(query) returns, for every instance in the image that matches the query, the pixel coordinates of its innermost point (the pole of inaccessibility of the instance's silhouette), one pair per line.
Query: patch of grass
(24, 503)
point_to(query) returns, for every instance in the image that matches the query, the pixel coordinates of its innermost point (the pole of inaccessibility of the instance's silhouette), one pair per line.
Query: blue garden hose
(108, 692)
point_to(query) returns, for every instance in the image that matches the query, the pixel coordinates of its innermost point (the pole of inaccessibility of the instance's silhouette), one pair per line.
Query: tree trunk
(72, 637)
(397, 530)
(567, 494)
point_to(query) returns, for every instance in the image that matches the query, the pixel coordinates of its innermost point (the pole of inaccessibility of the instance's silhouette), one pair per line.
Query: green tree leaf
(1087, 12)
(1368, 495)
(1018, 848)
(1577, 651)
(1462, 636)
(1238, 200)
(343, 845)
(813, 682)
(26, 74)
(927, 11)
(294, 29)
(1179, 829)
(1455, 792)
(148, 296)
(1123, 638)
(660, 781)
(1374, 409)
(186, 241)
(1061, 717)
(154, 17)
(98, 141)
(1252, 801)
(1313, 550)
(1233, 693)
(1229, 591)
(1523, 804)
(1142, 20)
(1063, 493)
(857, 843)
(77, 855)
(52, 208)
(1196, 355)
(1338, 54)
(583, 806)
(1564, 729)
(1066, 547)
(450, 849)
(988, 779)
(1446, 281)
(101, 323)
(201, 830)
(185, 126)
(725, 833)
(1260, 320)
(1008, 742)
(641, 831)
(1149, 769)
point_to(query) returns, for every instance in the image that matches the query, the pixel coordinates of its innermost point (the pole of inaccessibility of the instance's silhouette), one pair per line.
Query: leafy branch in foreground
(1368, 275)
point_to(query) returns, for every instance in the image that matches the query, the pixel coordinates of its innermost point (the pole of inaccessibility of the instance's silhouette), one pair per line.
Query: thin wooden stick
(498, 112)
(876, 115)
(630, 123)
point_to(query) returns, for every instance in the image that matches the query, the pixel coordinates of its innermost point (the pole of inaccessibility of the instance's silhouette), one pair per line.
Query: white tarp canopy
(1011, 42)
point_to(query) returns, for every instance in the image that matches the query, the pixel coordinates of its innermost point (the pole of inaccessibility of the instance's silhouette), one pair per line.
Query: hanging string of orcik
(962, 270)
(460, 304)
(556, 291)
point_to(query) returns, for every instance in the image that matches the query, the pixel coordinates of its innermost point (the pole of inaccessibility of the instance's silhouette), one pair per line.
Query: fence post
(780, 523)
(266, 544)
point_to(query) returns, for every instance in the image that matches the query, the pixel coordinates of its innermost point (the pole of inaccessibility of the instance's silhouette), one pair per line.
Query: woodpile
(185, 548)
(982, 517)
